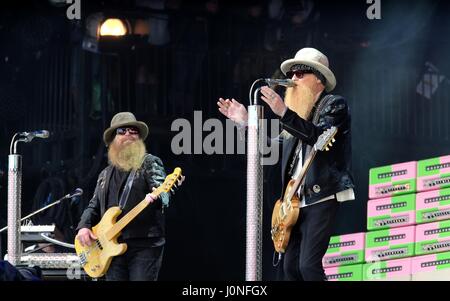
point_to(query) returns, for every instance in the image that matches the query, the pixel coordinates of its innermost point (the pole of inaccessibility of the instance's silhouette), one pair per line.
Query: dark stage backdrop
(385, 68)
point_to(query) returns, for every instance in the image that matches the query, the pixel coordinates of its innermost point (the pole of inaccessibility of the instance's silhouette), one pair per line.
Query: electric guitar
(96, 258)
(286, 211)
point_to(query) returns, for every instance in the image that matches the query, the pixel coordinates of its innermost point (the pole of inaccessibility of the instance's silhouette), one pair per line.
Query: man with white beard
(129, 163)
(304, 115)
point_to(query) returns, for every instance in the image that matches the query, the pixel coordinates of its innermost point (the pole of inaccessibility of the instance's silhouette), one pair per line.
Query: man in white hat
(129, 163)
(307, 110)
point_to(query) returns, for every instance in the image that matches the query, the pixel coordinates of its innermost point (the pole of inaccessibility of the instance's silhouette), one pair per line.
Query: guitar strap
(126, 190)
(315, 119)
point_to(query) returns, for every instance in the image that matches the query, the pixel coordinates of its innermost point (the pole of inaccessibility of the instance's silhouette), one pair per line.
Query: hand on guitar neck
(149, 197)
(153, 196)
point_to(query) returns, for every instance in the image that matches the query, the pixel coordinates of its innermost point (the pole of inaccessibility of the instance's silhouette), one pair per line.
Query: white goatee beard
(301, 100)
(127, 157)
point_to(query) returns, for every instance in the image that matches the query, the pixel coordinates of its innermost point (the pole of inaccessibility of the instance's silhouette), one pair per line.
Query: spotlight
(113, 27)
(114, 32)
(105, 34)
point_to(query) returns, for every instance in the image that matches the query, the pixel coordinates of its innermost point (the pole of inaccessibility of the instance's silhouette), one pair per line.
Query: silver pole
(253, 268)
(14, 201)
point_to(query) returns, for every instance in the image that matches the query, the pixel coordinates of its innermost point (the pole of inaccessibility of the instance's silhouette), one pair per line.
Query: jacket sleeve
(335, 114)
(155, 175)
(91, 215)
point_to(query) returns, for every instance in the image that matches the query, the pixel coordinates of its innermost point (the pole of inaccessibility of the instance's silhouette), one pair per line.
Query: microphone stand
(42, 209)
(14, 201)
(253, 266)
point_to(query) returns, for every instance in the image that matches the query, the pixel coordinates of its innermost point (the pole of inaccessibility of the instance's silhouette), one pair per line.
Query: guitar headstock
(174, 179)
(326, 139)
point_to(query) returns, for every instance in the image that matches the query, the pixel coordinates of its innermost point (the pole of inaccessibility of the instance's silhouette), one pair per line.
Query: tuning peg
(327, 149)
(333, 140)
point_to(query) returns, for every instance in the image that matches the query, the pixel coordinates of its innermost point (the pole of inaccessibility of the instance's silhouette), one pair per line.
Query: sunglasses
(124, 130)
(297, 73)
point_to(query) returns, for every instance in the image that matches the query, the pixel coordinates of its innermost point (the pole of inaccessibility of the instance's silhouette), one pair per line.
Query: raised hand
(233, 110)
(274, 101)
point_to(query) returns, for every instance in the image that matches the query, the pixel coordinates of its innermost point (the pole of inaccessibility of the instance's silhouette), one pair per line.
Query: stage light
(113, 27)
(113, 32)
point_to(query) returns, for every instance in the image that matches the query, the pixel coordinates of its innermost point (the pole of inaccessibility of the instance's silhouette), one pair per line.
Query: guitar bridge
(83, 259)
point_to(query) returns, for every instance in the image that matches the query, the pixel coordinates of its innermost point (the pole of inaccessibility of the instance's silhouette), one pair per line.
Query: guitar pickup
(98, 244)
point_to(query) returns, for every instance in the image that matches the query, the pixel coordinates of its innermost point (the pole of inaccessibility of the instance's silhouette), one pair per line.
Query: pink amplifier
(391, 212)
(433, 173)
(391, 270)
(345, 249)
(344, 273)
(433, 267)
(391, 180)
(390, 244)
(433, 238)
(433, 205)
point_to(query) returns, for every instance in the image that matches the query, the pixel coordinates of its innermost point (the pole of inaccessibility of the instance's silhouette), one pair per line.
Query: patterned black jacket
(150, 222)
(330, 171)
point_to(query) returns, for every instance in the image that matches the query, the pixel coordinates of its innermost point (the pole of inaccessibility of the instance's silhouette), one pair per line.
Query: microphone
(77, 192)
(75, 197)
(279, 82)
(38, 134)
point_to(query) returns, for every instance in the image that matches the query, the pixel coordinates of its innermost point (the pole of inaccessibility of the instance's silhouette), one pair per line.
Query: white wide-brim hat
(315, 59)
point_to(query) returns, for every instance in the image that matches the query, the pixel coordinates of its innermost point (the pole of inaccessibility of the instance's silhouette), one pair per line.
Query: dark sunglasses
(132, 130)
(297, 73)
